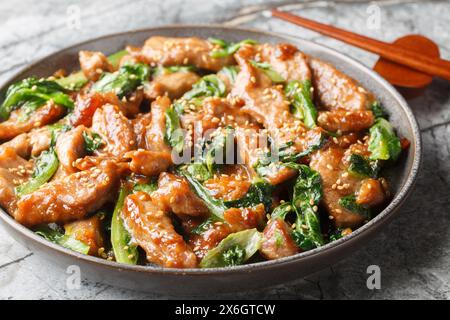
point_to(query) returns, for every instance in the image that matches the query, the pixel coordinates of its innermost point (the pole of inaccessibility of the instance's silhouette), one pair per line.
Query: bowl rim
(362, 231)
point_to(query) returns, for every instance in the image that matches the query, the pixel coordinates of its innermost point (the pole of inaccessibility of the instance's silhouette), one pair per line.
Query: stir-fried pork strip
(140, 124)
(230, 185)
(153, 230)
(115, 129)
(345, 120)
(157, 157)
(334, 89)
(331, 163)
(155, 132)
(19, 122)
(287, 60)
(209, 239)
(88, 231)
(267, 103)
(93, 64)
(69, 147)
(182, 51)
(173, 85)
(245, 218)
(20, 144)
(87, 103)
(69, 198)
(175, 195)
(277, 240)
(215, 112)
(14, 170)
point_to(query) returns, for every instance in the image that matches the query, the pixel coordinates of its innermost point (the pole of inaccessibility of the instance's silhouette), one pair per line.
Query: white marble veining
(413, 252)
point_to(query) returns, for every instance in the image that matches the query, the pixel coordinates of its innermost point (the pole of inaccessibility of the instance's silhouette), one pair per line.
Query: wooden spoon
(411, 83)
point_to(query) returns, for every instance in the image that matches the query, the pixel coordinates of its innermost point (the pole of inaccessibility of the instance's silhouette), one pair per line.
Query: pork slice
(173, 85)
(140, 123)
(14, 171)
(175, 195)
(70, 146)
(88, 231)
(17, 123)
(334, 89)
(93, 64)
(181, 51)
(287, 60)
(69, 198)
(115, 129)
(31, 143)
(157, 156)
(152, 229)
(345, 120)
(277, 240)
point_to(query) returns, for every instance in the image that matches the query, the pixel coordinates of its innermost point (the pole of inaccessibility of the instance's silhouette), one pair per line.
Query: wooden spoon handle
(432, 66)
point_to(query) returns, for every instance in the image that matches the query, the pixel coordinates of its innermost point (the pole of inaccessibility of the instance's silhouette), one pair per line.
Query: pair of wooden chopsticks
(432, 66)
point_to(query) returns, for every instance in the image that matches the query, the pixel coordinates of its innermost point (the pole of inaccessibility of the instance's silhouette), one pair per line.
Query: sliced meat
(173, 85)
(334, 89)
(69, 147)
(157, 156)
(344, 120)
(69, 198)
(328, 162)
(19, 123)
(87, 103)
(277, 241)
(115, 130)
(287, 60)
(332, 164)
(181, 51)
(31, 143)
(229, 186)
(88, 231)
(156, 130)
(175, 195)
(20, 144)
(149, 163)
(208, 239)
(371, 193)
(263, 101)
(153, 231)
(40, 140)
(93, 64)
(140, 123)
(245, 218)
(14, 171)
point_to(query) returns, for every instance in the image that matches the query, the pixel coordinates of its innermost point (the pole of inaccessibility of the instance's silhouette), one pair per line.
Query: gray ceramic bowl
(184, 281)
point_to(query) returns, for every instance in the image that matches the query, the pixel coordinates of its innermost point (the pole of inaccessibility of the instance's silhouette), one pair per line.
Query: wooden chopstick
(432, 66)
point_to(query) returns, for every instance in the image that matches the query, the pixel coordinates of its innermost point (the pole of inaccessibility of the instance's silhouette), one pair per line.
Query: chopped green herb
(235, 249)
(124, 250)
(46, 166)
(57, 236)
(92, 141)
(124, 81)
(174, 134)
(383, 142)
(378, 110)
(360, 166)
(208, 86)
(32, 93)
(268, 70)
(227, 48)
(349, 203)
(300, 96)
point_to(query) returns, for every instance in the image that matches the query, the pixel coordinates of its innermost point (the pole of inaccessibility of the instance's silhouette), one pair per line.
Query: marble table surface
(413, 252)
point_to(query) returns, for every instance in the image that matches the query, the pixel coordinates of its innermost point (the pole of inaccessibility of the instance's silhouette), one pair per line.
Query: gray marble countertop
(413, 252)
